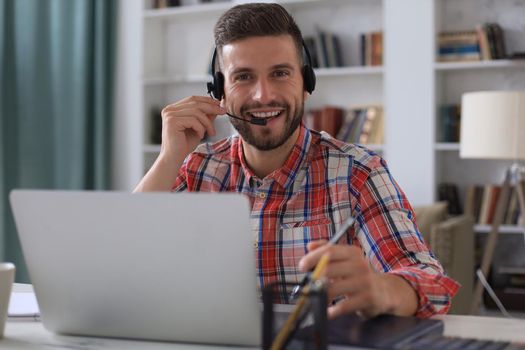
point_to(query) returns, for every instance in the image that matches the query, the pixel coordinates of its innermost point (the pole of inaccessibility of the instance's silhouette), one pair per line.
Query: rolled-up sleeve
(392, 242)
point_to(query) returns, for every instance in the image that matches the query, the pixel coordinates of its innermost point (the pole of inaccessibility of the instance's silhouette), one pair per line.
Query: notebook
(158, 266)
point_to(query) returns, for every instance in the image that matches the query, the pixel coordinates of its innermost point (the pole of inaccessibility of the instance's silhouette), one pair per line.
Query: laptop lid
(159, 266)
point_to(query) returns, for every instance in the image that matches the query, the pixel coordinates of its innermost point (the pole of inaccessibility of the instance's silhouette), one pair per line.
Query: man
(302, 184)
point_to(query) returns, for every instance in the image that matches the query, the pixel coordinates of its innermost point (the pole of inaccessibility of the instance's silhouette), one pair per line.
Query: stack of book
(486, 42)
(449, 123)
(363, 125)
(481, 202)
(328, 118)
(160, 4)
(371, 48)
(325, 49)
(458, 46)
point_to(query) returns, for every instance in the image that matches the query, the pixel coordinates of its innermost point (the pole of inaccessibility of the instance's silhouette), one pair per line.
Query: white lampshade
(493, 125)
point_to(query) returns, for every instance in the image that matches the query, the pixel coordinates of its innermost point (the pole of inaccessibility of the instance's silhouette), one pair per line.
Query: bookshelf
(452, 79)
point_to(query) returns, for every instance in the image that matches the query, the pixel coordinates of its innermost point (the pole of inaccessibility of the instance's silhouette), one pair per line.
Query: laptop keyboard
(454, 343)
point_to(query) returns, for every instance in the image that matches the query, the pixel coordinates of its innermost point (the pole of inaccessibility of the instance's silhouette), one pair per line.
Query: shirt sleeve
(392, 242)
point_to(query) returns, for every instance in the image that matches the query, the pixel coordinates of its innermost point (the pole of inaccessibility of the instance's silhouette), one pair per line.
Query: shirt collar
(285, 175)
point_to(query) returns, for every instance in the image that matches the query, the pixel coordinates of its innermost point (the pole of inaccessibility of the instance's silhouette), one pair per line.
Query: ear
(306, 95)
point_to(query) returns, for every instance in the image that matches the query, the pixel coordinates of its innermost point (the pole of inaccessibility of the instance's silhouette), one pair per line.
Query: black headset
(216, 87)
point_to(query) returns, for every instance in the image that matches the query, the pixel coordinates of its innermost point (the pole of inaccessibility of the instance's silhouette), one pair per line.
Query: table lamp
(493, 127)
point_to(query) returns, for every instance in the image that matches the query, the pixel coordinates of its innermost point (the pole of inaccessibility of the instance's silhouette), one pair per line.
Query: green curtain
(56, 83)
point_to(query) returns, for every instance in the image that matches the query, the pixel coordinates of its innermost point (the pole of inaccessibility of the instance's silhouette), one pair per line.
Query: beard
(265, 141)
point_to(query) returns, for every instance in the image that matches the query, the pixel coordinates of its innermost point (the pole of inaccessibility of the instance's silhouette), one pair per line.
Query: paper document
(23, 302)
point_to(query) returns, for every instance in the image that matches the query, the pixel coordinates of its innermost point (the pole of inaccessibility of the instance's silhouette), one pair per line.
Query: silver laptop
(161, 266)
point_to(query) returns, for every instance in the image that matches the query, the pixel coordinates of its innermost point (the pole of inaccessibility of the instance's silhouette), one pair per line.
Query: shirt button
(256, 244)
(262, 195)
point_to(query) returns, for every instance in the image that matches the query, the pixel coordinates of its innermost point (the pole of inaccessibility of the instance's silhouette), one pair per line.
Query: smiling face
(263, 79)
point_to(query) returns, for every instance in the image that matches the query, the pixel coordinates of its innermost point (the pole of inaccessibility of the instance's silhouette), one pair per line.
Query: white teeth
(265, 114)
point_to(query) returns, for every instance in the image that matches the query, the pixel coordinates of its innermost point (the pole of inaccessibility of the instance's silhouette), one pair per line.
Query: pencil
(288, 326)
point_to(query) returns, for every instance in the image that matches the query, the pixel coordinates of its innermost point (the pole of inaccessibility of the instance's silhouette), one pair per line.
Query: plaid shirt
(321, 184)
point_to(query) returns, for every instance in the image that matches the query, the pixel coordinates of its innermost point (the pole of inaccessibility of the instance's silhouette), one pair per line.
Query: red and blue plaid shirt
(321, 184)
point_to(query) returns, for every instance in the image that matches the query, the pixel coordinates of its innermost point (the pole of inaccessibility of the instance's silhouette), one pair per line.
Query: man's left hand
(364, 290)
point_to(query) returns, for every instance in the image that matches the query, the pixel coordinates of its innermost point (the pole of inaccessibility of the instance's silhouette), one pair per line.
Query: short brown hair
(256, 19)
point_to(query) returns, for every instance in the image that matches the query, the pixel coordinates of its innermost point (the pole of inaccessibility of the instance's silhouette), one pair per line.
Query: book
(362, 49)
(449, 123)
(470, 202)
(377, 133)
(310, 44)
(320, 49)
(485, 205)
(491, 40)
(368, 124)
(328, 119)
(377, 48)
(493, 204)
(499, 41)
(458, 46)
(331, 119)
(156, 126)
(483, 43)
(449, 192)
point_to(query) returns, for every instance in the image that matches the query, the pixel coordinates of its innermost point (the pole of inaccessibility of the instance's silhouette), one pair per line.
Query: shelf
(494, 64)
(190, 79)
(505, 229)
(319, 72)
(183, 12)
(345, 71)
(447, 146)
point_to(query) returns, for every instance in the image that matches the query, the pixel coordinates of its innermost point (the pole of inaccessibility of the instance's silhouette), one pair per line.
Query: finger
(313, 245)
(175, 116)
(203, 118)
(204, 99)
(345, 252)
(347, 286)
(352, 304)
(311, 259)
(207, 106)
(190, 123)
(336, 252)
(346, 268)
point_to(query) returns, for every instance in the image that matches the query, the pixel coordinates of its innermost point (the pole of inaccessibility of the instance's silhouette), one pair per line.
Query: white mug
(7, 277)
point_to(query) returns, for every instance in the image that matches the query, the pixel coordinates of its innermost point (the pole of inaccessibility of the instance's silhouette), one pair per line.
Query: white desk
(32, 335)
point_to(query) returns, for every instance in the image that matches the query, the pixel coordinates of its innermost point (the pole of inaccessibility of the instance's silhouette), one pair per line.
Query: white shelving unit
(455, 78)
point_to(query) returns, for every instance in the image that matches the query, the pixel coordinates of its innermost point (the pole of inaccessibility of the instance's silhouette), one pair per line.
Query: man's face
(263, 79)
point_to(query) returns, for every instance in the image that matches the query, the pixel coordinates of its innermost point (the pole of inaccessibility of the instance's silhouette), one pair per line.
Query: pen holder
(310, 330)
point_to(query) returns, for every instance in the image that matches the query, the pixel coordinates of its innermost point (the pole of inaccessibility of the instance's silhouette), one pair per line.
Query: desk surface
(32, 335)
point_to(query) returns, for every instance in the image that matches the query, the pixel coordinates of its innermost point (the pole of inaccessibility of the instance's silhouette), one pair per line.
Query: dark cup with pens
(309, 297)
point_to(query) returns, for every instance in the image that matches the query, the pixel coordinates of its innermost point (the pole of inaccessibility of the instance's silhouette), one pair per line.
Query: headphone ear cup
(308, 78)
(218, 82)
(216, 87)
